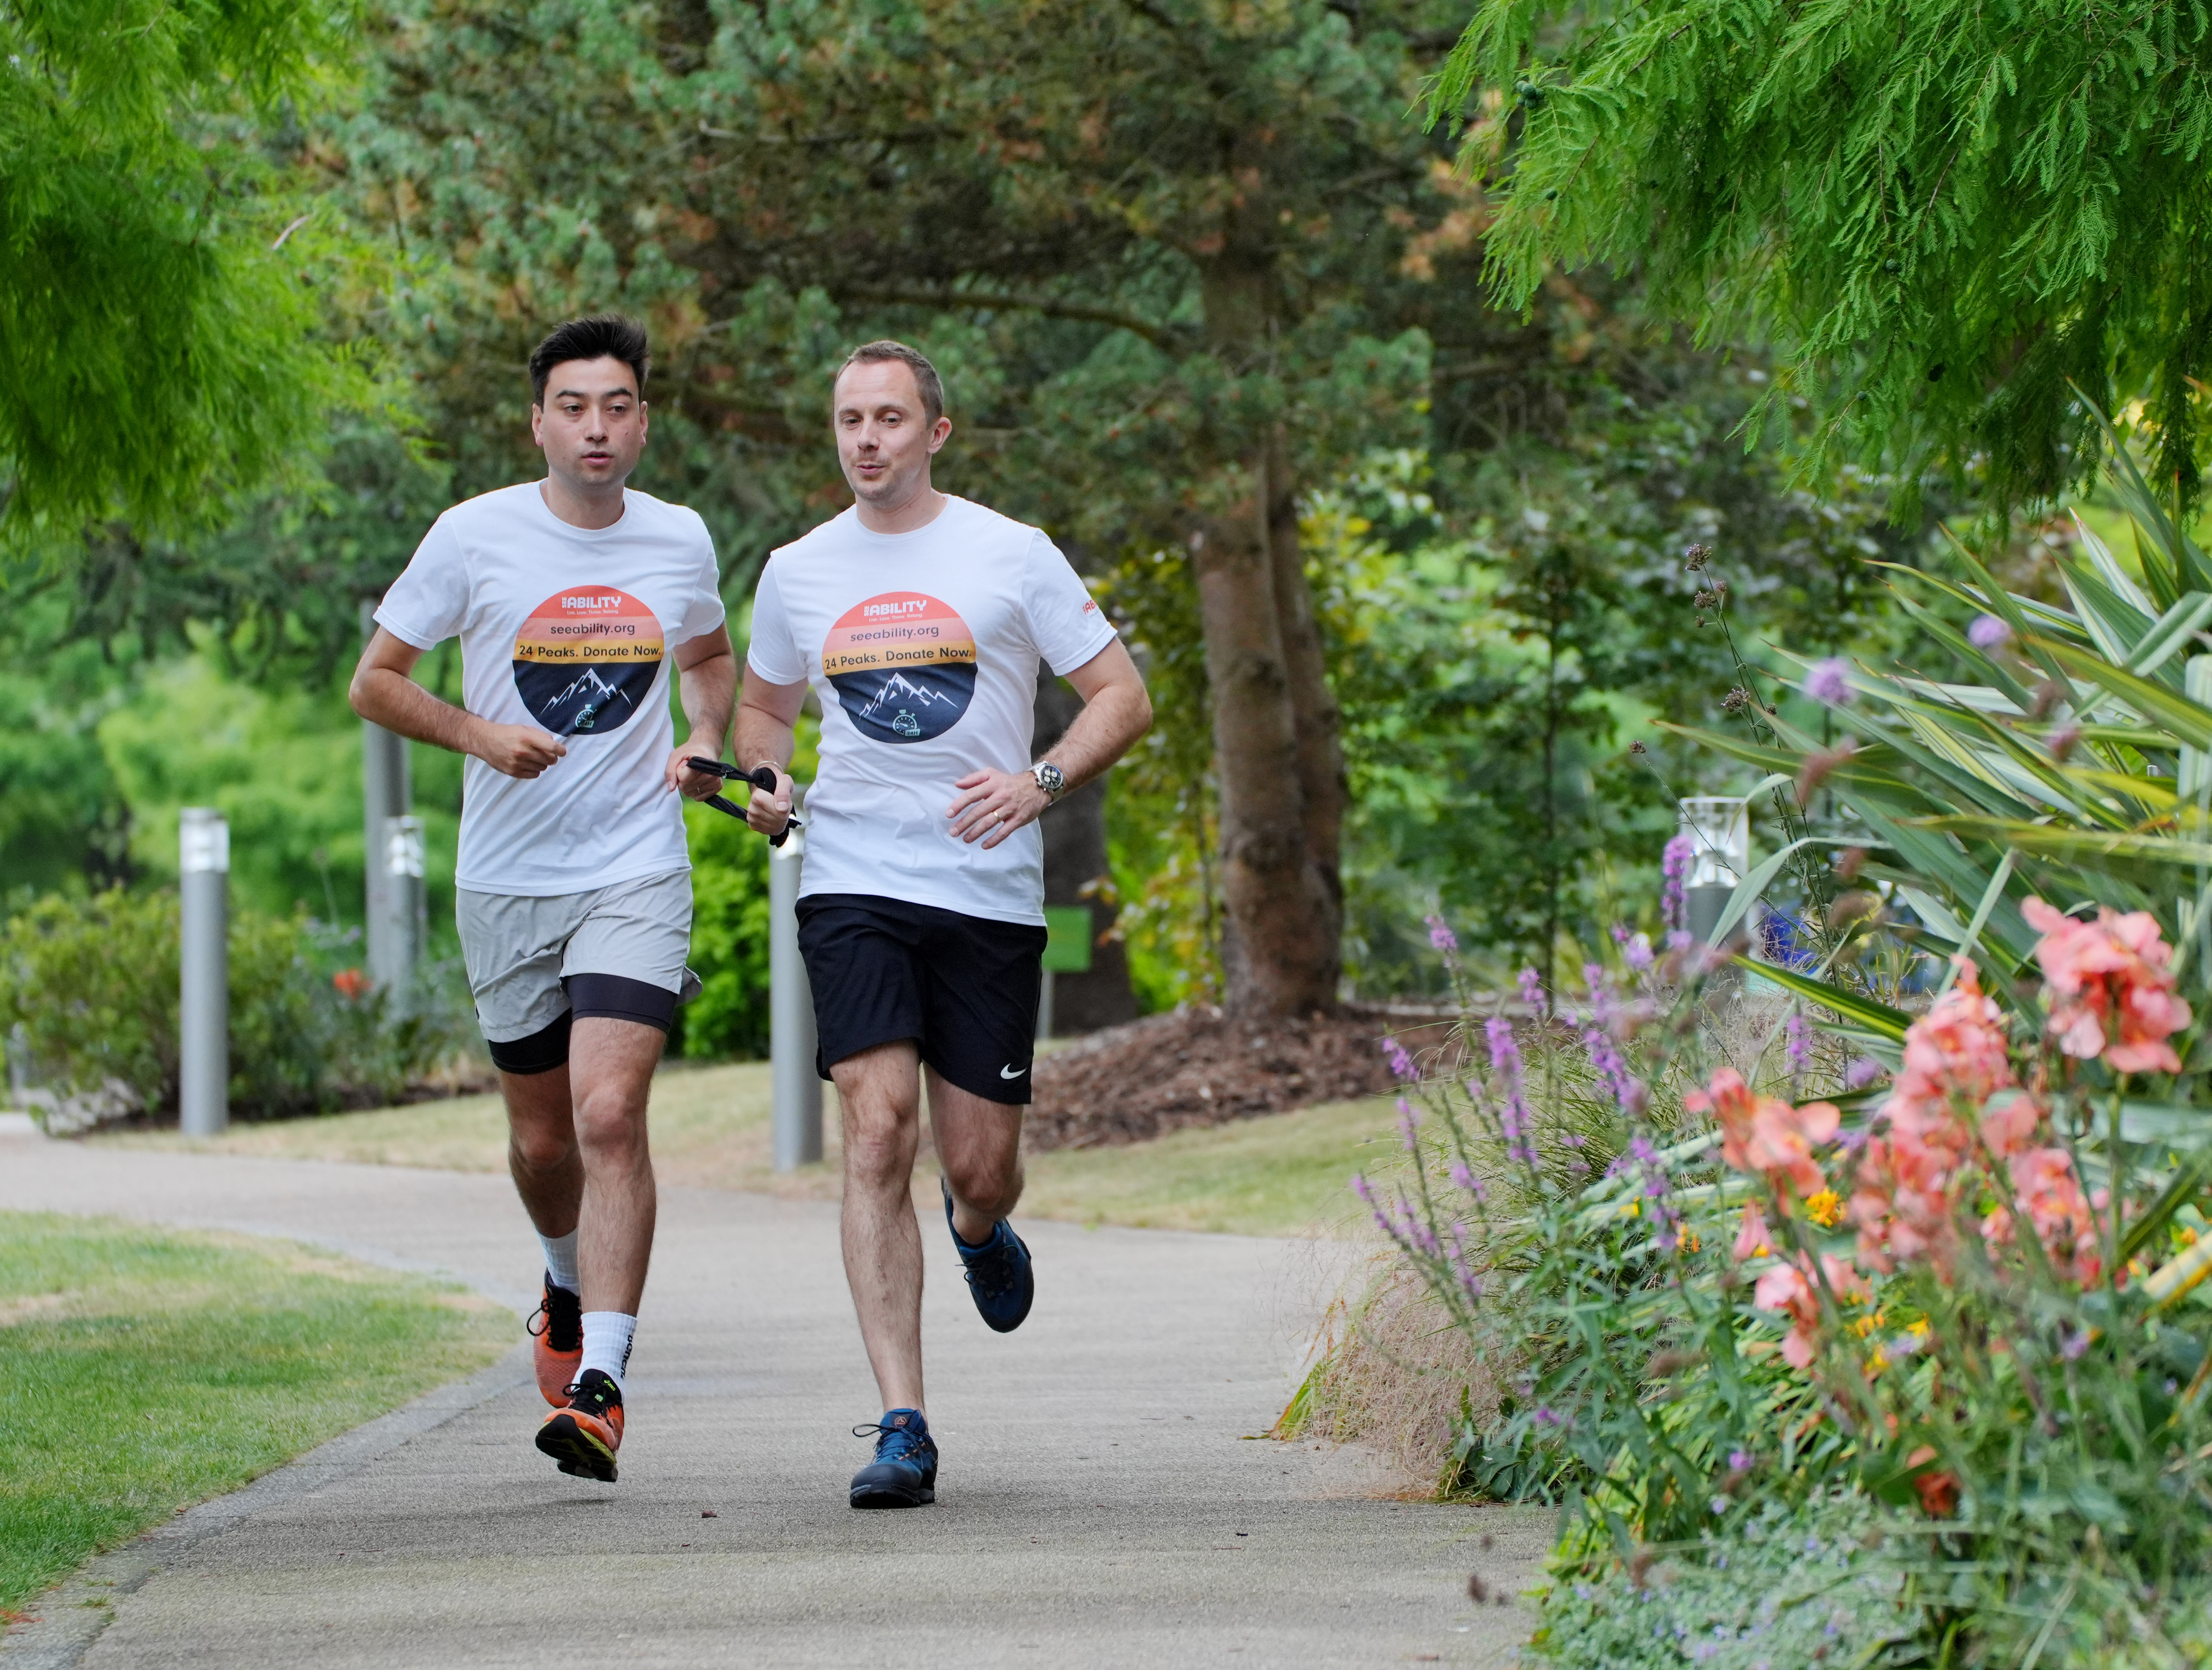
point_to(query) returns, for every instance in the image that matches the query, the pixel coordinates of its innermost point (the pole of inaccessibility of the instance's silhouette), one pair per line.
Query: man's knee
(609, 1122)
(541, 1146)
(989, 1183)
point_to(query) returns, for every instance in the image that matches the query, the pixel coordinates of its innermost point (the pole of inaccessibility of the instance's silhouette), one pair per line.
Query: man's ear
(941, 433)
(536, 424)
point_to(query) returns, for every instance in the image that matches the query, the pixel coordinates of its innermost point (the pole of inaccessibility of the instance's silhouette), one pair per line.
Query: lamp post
(204, 969)
(796, 1085)
(1718, 827)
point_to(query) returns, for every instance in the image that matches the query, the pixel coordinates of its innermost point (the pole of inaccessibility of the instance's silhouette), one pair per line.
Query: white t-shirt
(566, 628)
(923, 649)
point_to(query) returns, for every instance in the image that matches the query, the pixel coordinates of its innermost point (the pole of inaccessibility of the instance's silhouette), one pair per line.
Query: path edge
(75, 1612)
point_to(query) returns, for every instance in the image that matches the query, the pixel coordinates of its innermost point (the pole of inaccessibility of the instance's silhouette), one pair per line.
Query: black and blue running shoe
(998, 1273)
(904, 1472)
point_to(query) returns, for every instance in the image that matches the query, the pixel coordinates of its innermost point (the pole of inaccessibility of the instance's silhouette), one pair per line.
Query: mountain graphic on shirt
(913, 704)
(573, 701)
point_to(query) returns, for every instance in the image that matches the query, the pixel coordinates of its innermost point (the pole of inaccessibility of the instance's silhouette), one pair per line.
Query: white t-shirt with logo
(567, 628)
(923, 649)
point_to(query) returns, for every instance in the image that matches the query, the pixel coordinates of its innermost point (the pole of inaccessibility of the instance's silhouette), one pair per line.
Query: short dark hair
(925, 374)
(600, 336)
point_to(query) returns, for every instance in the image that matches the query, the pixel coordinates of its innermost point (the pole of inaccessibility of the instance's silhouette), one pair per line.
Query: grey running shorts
(536, 964)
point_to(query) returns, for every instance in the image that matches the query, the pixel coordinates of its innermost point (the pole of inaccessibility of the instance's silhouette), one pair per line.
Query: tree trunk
(1276, 752)
(1313, 704)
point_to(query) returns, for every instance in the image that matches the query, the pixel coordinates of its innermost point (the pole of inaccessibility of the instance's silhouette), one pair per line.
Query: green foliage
(1815, 1582)
(156, 1368)
(92, 985)
(1942, 214)
(729, 939)
(2001, 1329)
(165, 337)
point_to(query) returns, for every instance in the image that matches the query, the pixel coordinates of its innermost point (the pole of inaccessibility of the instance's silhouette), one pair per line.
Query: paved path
(1099, 1504)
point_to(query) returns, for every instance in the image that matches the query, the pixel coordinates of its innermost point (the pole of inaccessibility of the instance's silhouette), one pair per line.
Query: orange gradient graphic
(896, 629)
(589, 623)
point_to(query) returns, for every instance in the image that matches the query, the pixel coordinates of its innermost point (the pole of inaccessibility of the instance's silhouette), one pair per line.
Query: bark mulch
(1197, 1066)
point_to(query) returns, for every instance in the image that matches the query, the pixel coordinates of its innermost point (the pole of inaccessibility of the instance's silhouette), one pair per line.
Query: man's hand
(992, 805)
(693, 784)
(766, 813)
(514, 750)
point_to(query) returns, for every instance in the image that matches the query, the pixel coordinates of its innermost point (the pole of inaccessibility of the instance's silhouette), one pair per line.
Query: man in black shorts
(919, 620)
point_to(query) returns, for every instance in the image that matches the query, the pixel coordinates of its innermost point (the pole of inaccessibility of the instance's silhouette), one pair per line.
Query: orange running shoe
(584, 1435)
(556, 1327)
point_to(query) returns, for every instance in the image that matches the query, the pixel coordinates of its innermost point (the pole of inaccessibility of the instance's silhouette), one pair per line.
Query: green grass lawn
(1286, 1173)
(151, 1368)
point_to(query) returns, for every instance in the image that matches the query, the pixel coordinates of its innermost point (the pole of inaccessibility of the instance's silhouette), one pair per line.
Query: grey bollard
(797, 1086)
(393, 954)
(203, 967)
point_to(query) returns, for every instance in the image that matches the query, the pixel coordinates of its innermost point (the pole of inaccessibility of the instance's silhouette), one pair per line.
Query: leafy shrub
(1971, 1295)
(729, 940)
(1784, 1587)
(88, 993)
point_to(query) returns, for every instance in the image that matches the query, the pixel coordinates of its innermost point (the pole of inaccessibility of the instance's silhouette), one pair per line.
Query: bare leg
(979, 1143)
(541, 1149)
(610, 1066)
(879, 1091)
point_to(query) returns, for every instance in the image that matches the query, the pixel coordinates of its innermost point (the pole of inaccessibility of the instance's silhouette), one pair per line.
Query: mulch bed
(1197, 1066)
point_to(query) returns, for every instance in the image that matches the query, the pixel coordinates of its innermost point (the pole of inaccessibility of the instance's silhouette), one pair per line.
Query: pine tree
(1949, 217)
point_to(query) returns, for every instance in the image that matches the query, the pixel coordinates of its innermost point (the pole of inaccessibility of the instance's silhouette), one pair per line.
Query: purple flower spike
(1797, 1040)
(1636, 952)
(1829, 682)
(1532, 989)
(1441, 936)
(1360, 1187)
(1409, 1125)
(1674, 872)
(1988, 632)
(1739, 1460)
(1400, 1063)
(1462, 1177)
(1862, 1072)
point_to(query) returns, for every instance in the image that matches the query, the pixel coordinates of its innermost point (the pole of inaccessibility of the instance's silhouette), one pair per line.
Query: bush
(729, 940)
(89, 994)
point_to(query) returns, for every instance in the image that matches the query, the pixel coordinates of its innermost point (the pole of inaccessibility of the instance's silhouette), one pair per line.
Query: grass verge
(150, 1369)
(1283, 1174)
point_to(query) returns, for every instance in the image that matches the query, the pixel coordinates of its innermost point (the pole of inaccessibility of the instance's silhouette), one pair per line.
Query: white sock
(606, 1343)
(561, 1260)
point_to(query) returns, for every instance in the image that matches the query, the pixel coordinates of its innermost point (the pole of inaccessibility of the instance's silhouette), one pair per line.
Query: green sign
(1067, 939)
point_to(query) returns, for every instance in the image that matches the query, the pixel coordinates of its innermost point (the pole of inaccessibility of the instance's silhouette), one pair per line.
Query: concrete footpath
(1100, 1501)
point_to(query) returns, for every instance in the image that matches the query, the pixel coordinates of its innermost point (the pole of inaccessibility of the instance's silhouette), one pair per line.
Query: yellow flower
(1878, 1361)
(1918, 1330)
(1826, 1209)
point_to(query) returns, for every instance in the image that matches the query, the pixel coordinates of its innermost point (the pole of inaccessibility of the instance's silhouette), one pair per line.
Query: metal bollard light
(394, 953)
(203, 965)
(797, 1086)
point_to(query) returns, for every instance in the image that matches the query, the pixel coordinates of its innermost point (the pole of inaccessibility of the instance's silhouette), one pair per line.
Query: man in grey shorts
(571, 596)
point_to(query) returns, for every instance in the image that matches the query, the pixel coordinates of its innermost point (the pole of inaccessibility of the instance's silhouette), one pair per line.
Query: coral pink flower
(1764, 1134)
(1754, 1239)
(2050, 1195)
(1787, 1290)
(2111, 988)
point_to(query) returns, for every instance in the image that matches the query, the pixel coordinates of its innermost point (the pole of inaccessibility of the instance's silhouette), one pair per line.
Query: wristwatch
(1048, 779)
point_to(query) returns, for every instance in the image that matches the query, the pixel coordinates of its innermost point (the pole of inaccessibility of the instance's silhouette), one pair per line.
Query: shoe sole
(580, 1453)
(893, 1498)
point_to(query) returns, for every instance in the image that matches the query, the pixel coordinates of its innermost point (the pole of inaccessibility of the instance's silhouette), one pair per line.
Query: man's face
(592, 423)
(884, 437)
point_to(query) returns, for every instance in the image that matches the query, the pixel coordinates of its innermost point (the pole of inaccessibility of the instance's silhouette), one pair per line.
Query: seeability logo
(903, 666)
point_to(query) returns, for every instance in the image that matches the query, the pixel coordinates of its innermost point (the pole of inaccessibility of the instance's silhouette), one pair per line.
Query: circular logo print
(585, 659)
(903, 666)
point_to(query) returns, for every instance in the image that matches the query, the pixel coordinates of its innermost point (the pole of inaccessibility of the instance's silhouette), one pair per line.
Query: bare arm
(768, 717)
(1116, 711)
(383, 694)
(707, 681)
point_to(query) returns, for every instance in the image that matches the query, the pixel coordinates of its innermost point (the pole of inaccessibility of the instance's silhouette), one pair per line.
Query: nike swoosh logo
(1009, 1072)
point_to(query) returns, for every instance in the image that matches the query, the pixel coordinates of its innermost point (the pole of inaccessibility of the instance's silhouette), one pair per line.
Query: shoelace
(989, 1269)
(893, 1444)
(545, 1310)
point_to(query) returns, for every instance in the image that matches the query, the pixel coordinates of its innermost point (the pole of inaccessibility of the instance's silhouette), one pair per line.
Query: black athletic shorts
(964, 988)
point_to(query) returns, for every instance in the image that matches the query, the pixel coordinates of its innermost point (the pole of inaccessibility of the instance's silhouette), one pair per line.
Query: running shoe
(557, 1333)
(584, 1434)
(998, 1273)
(904, 1472)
